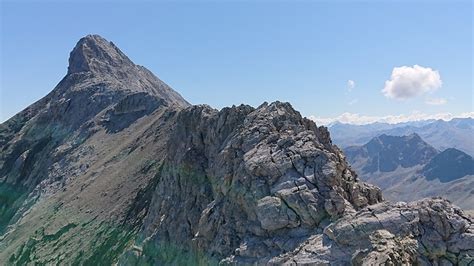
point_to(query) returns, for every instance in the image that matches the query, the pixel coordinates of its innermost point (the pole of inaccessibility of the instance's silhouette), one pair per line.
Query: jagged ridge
(141, 177)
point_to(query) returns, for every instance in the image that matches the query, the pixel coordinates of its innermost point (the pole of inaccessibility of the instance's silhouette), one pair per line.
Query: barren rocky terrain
(115, 167)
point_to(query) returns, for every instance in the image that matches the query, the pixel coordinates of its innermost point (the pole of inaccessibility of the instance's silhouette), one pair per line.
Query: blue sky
(249, 52)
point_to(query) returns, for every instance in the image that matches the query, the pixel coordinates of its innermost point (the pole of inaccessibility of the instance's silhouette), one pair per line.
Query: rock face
(420, 233)
(140, 177)
(254, 183)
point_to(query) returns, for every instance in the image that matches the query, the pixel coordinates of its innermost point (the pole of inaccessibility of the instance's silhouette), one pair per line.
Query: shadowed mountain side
(99, 182)
(385, 153)
(449, 165)
(407, 168)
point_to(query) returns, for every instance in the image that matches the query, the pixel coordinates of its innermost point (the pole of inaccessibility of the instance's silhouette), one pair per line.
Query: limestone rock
(425, 232)
(248, 176)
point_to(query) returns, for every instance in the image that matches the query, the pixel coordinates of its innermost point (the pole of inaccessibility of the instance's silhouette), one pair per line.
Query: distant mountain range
(407, 168)
(457, 133)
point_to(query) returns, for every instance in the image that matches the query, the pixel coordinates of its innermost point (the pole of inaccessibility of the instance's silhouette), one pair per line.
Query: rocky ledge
(426, 232)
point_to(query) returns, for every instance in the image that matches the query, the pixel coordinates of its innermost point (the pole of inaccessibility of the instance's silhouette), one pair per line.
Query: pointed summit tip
(95, 54)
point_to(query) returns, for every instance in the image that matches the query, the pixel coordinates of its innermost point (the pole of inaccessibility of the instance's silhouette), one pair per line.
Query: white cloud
(408, 82)
(357, 119)
(353, 101)
(436, 101)
(351, 84)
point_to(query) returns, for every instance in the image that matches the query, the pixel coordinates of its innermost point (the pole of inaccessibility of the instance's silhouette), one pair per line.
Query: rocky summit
(115, 167)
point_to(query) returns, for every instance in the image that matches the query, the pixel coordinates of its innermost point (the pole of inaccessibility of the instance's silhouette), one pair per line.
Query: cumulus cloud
(358, 119)
(408, 82)
(436, 101)
(351, 84)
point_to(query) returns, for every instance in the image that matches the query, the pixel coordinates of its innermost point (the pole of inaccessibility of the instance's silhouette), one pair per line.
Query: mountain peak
(386, 139)
(449, 165)
(108, 65)
(386, 153)
(96, 54)
(414, 136)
